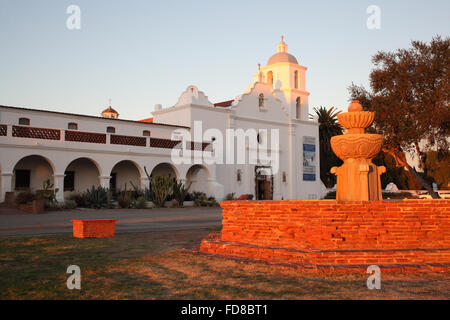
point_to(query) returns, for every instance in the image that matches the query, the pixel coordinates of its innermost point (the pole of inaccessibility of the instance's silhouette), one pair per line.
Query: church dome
(282, 55)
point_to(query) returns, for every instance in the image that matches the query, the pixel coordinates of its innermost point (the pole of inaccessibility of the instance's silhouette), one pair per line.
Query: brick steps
(411, 234)
(337, 260)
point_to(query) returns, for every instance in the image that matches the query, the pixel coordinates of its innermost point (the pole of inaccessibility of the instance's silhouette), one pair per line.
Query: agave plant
(96, 197)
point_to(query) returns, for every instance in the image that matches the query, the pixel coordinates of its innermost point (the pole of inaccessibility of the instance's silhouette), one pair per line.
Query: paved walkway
(18, 223)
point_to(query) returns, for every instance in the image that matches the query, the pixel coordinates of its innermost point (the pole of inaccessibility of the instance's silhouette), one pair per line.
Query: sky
(141, 53)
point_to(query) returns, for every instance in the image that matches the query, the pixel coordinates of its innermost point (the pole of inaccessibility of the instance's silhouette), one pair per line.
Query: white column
(104, 181)
(58, 181)
(6, 181)
(9, 130)
(292, 173)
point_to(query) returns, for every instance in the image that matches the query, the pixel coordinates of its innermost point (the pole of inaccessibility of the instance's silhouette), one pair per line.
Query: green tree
(328, 127)
(410, 94)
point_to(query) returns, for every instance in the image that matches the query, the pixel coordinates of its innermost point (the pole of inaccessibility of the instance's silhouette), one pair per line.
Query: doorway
(263, 183)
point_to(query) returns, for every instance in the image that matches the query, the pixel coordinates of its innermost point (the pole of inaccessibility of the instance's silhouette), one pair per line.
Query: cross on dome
(282, 55)
(282, 46)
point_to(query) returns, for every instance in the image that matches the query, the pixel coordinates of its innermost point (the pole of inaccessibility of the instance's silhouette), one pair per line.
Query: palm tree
(328, 127)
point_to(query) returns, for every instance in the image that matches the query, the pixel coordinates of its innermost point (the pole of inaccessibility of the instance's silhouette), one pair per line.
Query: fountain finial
(355, 106)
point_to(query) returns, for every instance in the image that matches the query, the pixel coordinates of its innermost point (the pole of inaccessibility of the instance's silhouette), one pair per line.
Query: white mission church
(77, 151)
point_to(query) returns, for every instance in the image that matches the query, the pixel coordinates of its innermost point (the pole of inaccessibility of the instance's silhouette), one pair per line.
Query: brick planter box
(36, 207)
(94, 228)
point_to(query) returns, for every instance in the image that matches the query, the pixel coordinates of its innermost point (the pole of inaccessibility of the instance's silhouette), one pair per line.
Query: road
(17, 223)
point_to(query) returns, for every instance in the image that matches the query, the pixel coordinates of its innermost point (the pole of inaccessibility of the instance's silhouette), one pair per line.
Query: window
(238, 176)
(296, 79)
(72, 126)
(270, 78)
(24, 121)
(69, 181)
(298, 103)
(261, 101)
(22, 179)
(111, 130)
(146, 133)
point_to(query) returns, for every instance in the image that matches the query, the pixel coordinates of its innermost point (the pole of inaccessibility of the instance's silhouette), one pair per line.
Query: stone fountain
(318, 235)
(358, 179)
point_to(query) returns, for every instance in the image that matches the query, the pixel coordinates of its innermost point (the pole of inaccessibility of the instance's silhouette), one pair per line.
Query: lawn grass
(155, 266)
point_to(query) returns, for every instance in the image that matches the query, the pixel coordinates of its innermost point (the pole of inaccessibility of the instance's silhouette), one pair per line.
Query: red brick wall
(333, 225)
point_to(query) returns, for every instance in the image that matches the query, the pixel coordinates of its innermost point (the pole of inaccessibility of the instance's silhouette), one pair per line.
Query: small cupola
(110, 113)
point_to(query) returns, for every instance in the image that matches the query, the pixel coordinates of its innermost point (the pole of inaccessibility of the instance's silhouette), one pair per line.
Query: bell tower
(287, 79)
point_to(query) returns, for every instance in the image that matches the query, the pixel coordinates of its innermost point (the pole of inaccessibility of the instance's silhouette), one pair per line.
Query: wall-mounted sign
(309, 158)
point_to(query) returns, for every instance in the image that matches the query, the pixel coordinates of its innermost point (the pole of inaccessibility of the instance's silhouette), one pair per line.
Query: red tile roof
(223, 104)
(87, 116)
(148, 120)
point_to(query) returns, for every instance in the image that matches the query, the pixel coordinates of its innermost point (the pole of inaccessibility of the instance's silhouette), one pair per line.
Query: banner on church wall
(309, 158)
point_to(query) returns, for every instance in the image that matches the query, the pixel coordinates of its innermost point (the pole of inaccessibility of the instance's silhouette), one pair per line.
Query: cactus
(161, 188)
(180, 191)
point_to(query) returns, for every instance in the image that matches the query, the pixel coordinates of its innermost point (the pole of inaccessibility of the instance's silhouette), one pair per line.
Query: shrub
(201, 200)
(25, 197)
(180, 192)
(189, 197)
(124, 200)
(398, 195)
(96, 197)
(229, 196)
(140, 203)
(80, 199)
(330, 195)
(70, 204)
(245, 196)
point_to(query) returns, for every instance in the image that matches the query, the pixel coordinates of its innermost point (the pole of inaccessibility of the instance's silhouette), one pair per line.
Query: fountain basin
(355, 122)
(356, 146)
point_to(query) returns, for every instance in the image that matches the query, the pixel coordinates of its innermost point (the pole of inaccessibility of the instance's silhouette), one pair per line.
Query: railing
(128, 140)
(36, 133)
(89, 137)
(93, 137)
(163, 143)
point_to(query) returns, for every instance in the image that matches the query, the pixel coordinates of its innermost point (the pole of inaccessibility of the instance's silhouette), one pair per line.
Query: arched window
(111, 130)
(72, 126)
(146, 133)
(270, 78)
(298, 104)
(296, 79)
(261, 101)
(24, 121)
